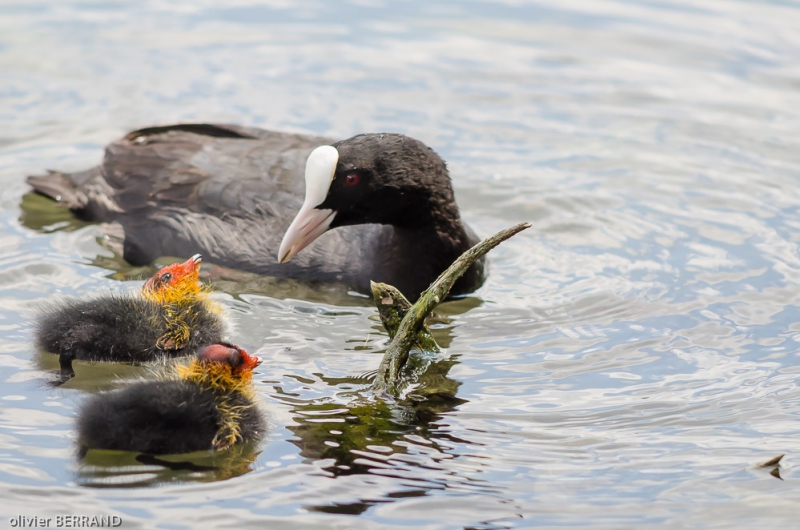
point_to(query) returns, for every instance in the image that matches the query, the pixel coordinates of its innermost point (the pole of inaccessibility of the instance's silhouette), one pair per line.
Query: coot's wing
(226, 191)
(203, 168)
(219, 170)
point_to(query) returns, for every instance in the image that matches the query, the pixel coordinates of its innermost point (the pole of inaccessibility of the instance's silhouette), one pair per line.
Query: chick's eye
(166, 278)
(236, 359)
(351, 179)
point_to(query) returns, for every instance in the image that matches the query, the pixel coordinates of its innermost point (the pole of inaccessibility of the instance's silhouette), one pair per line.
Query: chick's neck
(216, 377)
(220, 380)
(185, 292)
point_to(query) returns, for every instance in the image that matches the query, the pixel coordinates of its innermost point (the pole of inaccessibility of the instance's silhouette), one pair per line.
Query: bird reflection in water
(114, 469)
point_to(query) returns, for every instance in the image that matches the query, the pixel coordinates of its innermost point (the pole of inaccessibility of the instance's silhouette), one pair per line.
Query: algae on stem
(410, 331)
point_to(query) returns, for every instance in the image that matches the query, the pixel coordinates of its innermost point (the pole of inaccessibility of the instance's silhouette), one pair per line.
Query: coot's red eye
(351, 179)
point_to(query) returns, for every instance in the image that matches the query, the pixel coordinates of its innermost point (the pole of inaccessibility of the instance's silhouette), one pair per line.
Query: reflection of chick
(210, 406)
(173, 316)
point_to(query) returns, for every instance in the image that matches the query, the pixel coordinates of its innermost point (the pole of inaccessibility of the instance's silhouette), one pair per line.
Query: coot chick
(231, 192)
(209, 405)
(171, 317)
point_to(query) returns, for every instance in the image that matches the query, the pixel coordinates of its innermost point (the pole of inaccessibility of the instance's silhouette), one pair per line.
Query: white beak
(310, 221)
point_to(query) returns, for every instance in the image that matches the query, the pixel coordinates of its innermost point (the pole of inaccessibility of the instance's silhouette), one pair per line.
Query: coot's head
(224, 354)
(175, 280)
(370, 178)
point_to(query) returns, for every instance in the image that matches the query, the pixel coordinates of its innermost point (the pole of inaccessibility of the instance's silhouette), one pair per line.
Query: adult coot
(231, 192)
(209, 405)
(172, 316)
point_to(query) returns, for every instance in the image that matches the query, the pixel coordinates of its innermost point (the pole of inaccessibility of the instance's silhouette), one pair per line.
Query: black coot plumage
(209, 405)
(171, 317)
(231, 193)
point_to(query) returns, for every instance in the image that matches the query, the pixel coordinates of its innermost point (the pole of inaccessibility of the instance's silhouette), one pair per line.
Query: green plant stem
(387, 378)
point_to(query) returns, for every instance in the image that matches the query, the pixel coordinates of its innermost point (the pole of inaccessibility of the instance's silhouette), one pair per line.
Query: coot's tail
(75, 190)
(55, 185)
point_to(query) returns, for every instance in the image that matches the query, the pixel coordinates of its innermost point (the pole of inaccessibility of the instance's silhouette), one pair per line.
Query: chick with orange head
(172, 316)
(209, 405)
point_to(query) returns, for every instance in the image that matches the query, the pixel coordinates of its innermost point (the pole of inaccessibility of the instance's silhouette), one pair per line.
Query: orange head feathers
(176, 282)
(177, 289)
(221, 367)
(234, 358)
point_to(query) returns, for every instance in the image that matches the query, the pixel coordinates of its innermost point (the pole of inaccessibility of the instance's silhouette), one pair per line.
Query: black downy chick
(171, 317)
(209, 405)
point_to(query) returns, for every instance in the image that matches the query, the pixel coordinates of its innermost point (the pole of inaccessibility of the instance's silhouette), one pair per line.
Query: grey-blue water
(633, 355)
